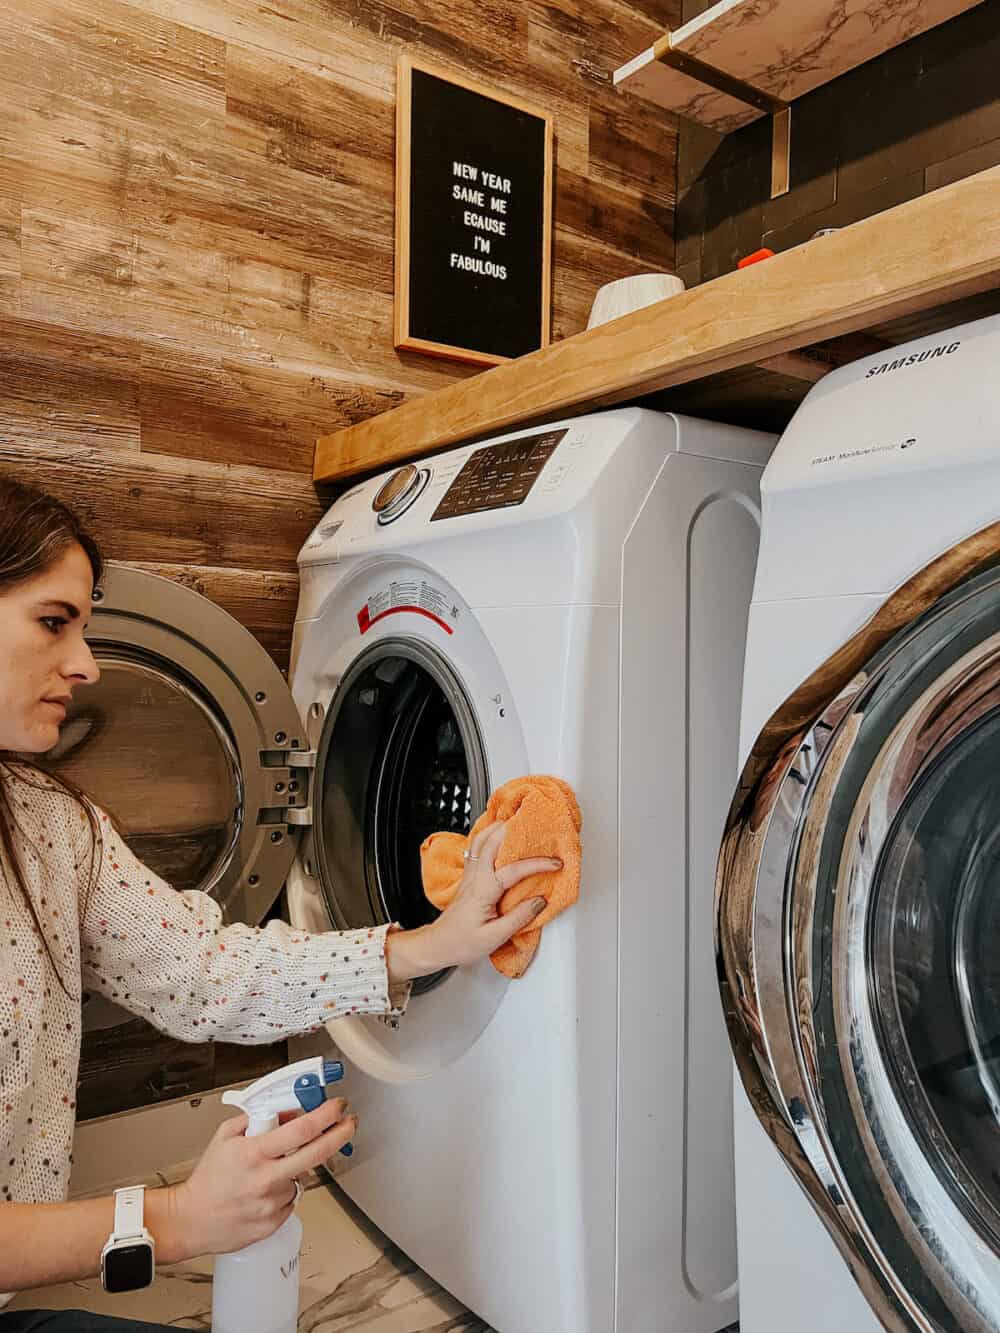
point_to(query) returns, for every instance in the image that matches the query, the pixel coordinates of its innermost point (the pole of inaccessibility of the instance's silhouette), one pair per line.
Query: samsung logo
(887, 367)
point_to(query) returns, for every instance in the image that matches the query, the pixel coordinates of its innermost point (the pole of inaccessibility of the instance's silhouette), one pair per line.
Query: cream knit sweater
(161, 954)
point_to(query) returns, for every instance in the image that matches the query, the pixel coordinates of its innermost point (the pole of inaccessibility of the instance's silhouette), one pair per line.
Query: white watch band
(129, 1207)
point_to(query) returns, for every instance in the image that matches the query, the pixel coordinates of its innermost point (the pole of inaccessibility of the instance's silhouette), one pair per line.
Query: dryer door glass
(863, 981)
(400, 758)
(935, 950)
(146, 746)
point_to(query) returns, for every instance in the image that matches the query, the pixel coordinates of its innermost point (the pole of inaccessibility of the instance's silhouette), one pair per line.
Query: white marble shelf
(782, 48)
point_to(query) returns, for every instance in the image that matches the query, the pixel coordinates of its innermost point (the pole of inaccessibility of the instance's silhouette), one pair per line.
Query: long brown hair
(35, 532)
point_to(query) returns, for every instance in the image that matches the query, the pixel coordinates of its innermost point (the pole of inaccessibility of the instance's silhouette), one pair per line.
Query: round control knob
(397, 489)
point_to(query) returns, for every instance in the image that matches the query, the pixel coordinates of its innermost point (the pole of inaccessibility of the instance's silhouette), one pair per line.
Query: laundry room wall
(196, 246)
(922, 116)
(196, 264)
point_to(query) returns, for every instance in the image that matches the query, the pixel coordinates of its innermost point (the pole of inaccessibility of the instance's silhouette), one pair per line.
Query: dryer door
(191, 740)
(859, 931)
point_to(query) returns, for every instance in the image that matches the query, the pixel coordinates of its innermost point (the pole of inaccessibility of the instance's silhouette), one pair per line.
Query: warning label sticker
(409, 596)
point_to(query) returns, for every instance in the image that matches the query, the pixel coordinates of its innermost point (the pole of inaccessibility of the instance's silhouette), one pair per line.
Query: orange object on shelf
(756, 258)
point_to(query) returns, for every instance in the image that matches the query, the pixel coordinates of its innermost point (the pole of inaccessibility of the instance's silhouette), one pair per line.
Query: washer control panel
(498, 476)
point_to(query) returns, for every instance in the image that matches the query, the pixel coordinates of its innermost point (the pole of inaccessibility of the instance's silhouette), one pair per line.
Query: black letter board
(473, 219)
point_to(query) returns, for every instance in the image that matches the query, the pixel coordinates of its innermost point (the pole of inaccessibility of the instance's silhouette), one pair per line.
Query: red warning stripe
(366, 621)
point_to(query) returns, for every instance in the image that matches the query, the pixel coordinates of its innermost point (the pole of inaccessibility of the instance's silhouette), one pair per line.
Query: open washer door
(192, 742)
(400, 757)
(859, 944)
(413, 724)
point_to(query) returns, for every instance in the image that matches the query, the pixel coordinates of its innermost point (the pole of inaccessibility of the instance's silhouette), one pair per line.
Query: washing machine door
(414, 723)
(399, 756)
(192, 742)
(859, 938)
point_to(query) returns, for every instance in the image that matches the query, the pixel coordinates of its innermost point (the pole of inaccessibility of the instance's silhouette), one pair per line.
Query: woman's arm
(42, 1243)
(167, 957)
(240, 1191)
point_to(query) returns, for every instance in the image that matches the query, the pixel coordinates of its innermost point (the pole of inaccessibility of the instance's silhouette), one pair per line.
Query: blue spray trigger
(333, 1072)
(309, 1092)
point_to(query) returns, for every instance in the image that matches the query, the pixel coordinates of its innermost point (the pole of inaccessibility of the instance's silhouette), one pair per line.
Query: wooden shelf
(783, 50)
(744, 349)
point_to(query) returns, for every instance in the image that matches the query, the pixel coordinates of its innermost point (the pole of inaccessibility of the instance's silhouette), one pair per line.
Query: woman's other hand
(243, 1189)
(470, 928)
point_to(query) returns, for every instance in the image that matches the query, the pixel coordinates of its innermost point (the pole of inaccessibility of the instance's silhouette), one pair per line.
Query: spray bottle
(256, 1290)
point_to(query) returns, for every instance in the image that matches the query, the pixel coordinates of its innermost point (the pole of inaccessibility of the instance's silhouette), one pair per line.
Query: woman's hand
(243, 1189)
(470, 928)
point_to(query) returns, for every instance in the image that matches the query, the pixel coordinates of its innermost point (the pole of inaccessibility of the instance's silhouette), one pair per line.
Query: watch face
(129, 1267)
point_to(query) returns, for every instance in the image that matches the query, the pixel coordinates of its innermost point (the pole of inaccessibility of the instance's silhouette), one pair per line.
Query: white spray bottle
(256, 1290)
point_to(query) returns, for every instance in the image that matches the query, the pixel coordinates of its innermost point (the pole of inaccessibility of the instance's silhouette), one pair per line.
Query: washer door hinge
(288, 775)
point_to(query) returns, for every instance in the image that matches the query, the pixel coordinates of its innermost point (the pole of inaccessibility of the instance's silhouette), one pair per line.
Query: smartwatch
(127, 1258)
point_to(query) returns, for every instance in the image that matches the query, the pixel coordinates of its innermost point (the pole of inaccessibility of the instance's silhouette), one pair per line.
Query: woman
(78, 911)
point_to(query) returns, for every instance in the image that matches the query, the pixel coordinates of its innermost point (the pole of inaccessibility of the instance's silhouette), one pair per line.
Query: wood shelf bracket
(779, 111)
(781, 152)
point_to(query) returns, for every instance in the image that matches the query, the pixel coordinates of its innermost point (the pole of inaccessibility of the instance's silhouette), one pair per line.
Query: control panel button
(402, 490)
(396, 489)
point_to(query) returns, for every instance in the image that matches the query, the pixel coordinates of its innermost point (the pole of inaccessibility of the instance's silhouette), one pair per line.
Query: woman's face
(43, 654)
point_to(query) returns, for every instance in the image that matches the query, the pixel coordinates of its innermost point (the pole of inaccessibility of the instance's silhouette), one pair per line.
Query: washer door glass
(145, 745)
(400, 758)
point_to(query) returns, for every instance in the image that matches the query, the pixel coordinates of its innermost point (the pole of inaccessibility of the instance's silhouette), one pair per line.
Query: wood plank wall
(196, 223)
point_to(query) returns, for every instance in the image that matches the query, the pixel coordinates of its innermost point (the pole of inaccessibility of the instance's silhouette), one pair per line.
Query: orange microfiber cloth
(543, 819)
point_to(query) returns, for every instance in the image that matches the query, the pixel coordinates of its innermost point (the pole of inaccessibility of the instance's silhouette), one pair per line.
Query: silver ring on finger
(299, 1191)
(467, 856)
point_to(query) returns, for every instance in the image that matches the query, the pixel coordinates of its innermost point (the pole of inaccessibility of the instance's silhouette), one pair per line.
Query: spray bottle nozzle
(298, 1087)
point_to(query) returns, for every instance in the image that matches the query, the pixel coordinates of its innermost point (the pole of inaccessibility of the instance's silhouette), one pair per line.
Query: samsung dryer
(859, 916)
(556, 1151)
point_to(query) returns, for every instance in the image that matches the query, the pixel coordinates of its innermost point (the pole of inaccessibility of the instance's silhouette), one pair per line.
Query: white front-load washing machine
(556, 1150)
(858, 913)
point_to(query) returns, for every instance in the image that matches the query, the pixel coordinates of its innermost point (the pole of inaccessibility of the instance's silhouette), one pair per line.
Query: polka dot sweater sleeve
(167, 957)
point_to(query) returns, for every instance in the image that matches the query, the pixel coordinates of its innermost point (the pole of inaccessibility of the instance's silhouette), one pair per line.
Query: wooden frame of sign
(473, 219)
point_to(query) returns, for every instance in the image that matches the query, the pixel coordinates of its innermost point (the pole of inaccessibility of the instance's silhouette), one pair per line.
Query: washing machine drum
(860, 934)
(400, 757)
(192, 742)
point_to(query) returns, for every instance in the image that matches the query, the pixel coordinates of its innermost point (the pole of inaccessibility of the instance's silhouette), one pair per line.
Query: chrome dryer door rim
(809, 836)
